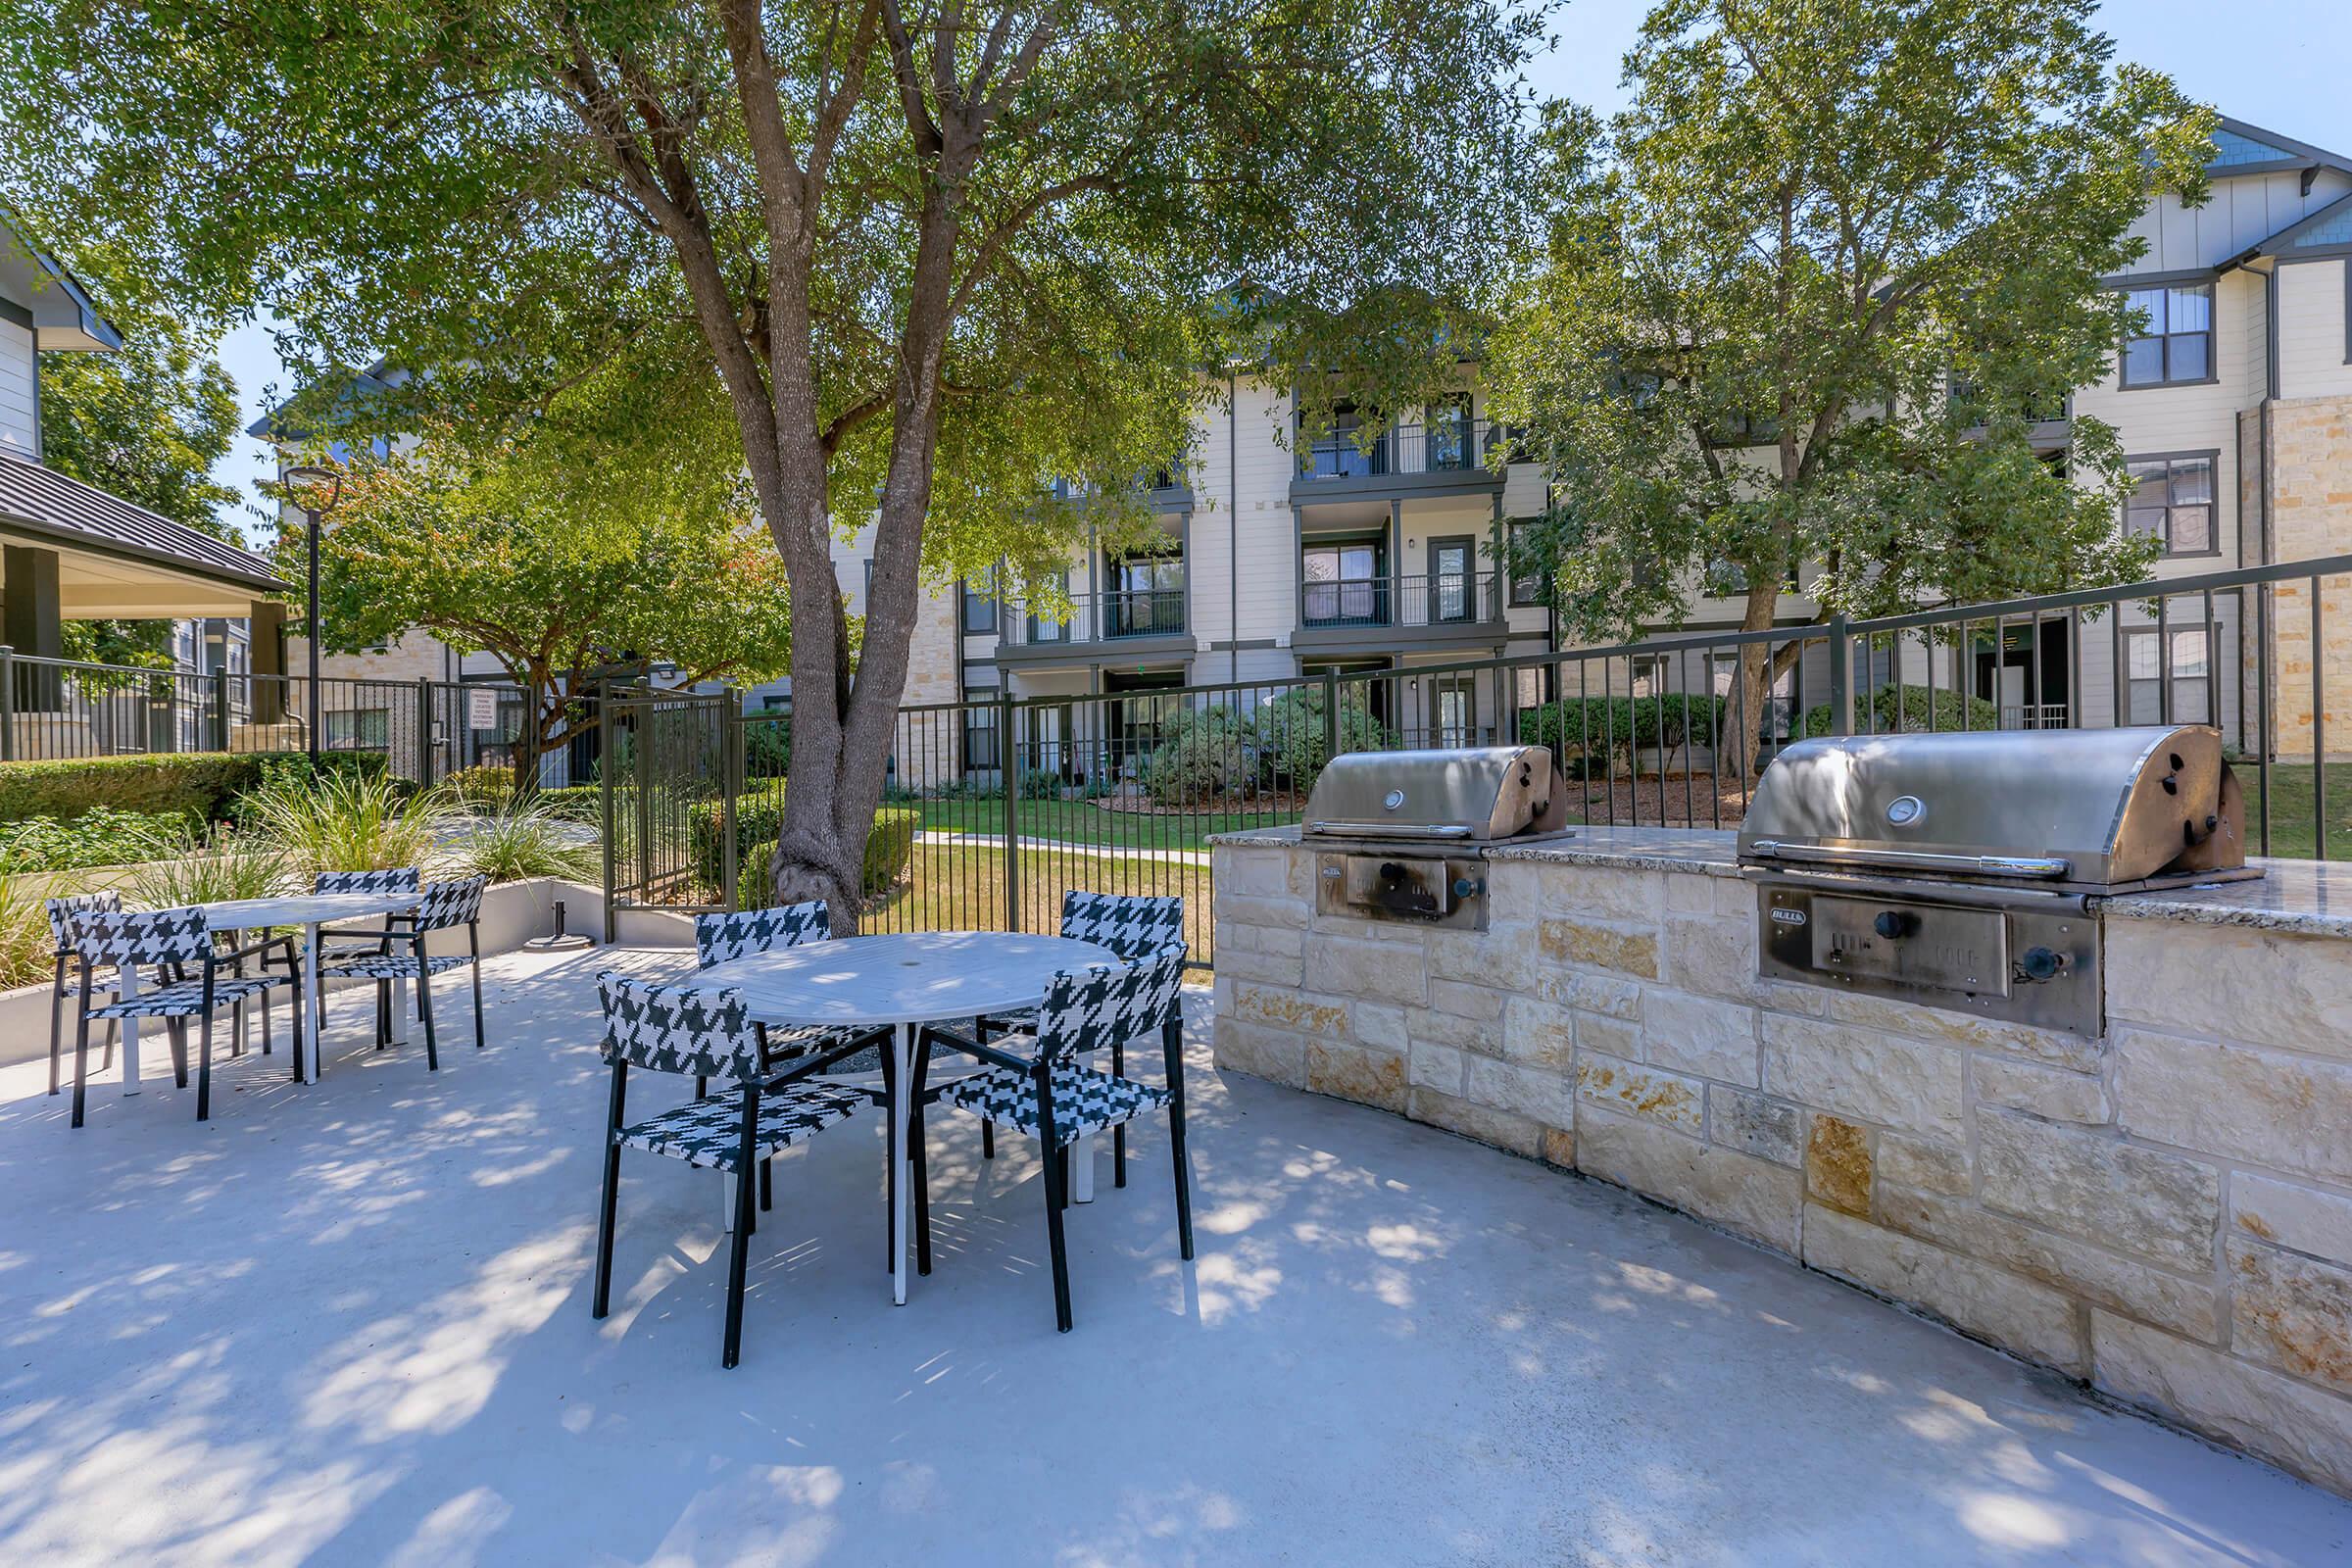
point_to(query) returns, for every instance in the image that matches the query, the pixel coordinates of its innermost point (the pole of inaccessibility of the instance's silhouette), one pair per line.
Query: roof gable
(44, 501)
(2242, 148)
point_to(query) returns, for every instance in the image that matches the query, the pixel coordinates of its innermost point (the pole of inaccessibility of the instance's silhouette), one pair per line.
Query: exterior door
(1449, 580)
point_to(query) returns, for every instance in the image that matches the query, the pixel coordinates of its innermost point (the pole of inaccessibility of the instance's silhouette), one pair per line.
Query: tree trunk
(1751, 697)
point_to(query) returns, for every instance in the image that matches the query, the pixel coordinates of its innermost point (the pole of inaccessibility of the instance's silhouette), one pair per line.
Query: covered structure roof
(117, 559)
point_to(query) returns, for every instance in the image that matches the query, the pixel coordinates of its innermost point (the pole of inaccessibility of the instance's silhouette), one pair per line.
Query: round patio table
(903, 982)
(310, 910)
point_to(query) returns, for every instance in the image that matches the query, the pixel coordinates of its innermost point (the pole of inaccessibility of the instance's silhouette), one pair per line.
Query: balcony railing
(1109, 616)
(1461, 598)
(1441, 445)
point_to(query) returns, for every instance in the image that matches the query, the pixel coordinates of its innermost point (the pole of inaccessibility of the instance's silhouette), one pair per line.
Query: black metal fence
(55, 708)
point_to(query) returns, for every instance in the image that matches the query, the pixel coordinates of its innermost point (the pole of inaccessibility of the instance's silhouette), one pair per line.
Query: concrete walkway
(349, 1324)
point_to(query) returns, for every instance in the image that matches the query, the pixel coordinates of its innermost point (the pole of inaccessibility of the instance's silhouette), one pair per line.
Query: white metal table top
(919, 977)
(303, 908)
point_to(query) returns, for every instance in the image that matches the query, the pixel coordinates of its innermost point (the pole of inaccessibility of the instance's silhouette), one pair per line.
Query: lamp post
(312, 475)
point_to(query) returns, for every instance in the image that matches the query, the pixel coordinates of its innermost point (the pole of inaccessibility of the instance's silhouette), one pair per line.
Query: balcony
(1439, 456)
(1465, 606)
(1140, 621)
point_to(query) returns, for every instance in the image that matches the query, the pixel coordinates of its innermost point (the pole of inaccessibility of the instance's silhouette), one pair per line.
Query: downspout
(1233, 529)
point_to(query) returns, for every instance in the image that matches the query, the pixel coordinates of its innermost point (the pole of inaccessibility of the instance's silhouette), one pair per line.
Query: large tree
(932, 251)
(1801, 302)
(565, 548)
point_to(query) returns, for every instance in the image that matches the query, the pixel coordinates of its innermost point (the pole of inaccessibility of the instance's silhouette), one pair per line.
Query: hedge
(759, 822)
(1882, 715)
(199, 784)
(99, 836)
(1578, 726)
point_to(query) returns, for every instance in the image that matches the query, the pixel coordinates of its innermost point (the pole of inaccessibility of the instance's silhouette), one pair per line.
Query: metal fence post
(1842, 677)
(604, 779)
(219, 715)
(8, 704)
(1331, 715)
(1009, 764)
(424, 731)
(730, 784)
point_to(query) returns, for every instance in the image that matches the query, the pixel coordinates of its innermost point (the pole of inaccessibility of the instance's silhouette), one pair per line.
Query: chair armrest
(974, 1047)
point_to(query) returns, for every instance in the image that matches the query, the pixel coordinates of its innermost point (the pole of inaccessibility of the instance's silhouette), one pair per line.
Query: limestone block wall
(2164, 1212)
(2309, 482)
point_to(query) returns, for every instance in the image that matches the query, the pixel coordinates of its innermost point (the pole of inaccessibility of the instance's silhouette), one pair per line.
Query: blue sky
(2282, 64)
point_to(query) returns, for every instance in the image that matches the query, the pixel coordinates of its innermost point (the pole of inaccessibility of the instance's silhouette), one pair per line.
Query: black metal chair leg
(236, 1027)
(767, 1186)
(1056, 1197)
(383, 1014)
(745, 1219)
(1172, 1041)
(297, 1006)
(988, 1139)
(891, 1151)
(204, 1069)
(81, 1055)
(1118, 1155)
(473, 939)
(424, 1012)
(600, 1301)
(113, 1029)
(1062, 1156)
(177, 1031)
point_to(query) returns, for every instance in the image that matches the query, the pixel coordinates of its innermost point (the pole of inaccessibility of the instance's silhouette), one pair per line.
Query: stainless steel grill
(1963, 871)
(1405, 832)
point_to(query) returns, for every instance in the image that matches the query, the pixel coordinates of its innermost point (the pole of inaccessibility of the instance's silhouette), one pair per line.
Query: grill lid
(2086, 809)
(1468, 796)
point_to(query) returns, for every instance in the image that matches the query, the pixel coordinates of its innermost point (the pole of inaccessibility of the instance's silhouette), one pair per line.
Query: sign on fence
(481, 708)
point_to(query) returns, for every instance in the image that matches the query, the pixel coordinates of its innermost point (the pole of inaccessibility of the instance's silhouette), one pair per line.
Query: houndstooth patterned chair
(443, 907)
(1050, 1096)
(172, 941)
(62, 985)
(1133, 927)
(725, 937)
(363, 944)
(671, 1029)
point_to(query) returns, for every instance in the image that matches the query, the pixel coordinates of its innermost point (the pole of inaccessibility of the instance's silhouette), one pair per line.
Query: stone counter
(2164, 1213)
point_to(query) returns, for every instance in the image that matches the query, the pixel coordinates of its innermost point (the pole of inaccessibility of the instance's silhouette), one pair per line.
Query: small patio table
(903, 982)
(310, 910)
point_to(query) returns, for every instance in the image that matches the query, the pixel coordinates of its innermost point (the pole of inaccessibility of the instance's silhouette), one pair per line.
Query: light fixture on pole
(312, 475)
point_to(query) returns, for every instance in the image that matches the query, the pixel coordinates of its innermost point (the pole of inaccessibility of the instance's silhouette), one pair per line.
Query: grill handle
(1389, 830)
(2037, 866)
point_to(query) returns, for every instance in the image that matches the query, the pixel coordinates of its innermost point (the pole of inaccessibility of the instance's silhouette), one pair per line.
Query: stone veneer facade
(2164, 1212)
(2307, 471)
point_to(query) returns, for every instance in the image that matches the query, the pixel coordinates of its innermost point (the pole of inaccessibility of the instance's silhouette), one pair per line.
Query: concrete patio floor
(349, 1324)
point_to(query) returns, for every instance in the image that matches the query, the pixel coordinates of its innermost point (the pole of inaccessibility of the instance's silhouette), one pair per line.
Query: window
(979, 612)
(1527, 588)
(1344, 584)
(979, 728)
(1336, 455)
(2178, 346)
(2191, 676)
(1449, 441)
(359, 729)
(2172, 500)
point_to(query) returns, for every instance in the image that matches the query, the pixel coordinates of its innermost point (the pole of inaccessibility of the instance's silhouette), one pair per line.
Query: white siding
(2311, 331)
(19, 436)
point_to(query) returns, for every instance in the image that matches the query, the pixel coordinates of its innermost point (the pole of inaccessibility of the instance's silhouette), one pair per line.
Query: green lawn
(962, 888)
(1084, 822)
(2291, 809)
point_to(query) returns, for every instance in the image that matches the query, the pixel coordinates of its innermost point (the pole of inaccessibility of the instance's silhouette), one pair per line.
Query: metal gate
(671, 776)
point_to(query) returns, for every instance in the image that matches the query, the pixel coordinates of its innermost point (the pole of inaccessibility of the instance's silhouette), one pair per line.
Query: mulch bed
(1662, 802)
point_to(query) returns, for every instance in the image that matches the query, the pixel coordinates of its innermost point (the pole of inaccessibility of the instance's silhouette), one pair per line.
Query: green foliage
(889, 848)
(232, 866)
(99, 836)
(349, 823)
(577, 803)
(1591, 733)
(204, 785)
(484, 785)
(1909, 708)
(1798, 304)
(526, 838)
(26, 952)
(1202, 754)
(1289, 736)
(767, 747)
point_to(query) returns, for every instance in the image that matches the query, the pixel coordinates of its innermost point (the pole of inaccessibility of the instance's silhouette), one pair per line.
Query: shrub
(523, 839)
(25, 954)
(1905, 708)
(483, 785)
(1593, 731)
(235, 865)
(888, 852)
(768, 745)
(758, 818)
(1289, 734)
(353, 824)
(1200, 754)
(199, 784)
(99, 836)
(574, 803)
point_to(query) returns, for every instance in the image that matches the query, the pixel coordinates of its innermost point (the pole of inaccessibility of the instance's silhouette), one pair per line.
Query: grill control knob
(1894, 924)
(2041, 963)
(1464, 887)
